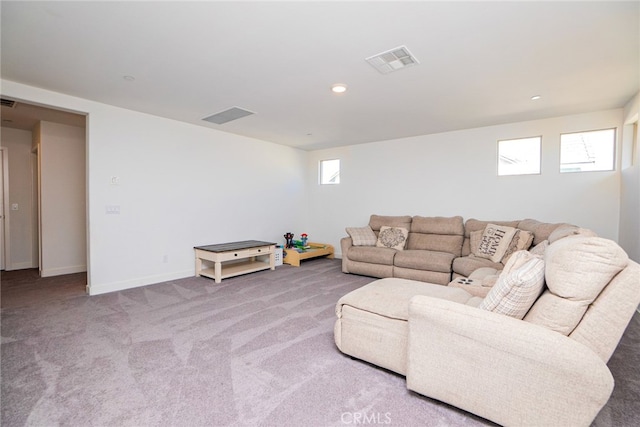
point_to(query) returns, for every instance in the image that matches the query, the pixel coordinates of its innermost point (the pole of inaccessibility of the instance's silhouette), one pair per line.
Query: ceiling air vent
(225, 116)
(392, 60)
(8, 103)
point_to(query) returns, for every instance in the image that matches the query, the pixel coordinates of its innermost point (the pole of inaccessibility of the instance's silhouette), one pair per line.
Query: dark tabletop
(234, 246)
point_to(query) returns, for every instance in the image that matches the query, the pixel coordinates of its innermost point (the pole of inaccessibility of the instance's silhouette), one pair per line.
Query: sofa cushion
(495, 241)
(468, 264)
(362, 236)
(437, 234)
(518, 286)
(566, 230)
(540, 248)
(540, 230)
(371, 254)
(424, 260)
(377, 221)
(392, 237)
(486, 276)
(577, 269)
(390, 297)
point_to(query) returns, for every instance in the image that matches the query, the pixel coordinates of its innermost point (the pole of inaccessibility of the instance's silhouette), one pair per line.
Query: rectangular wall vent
(225, 116)
(8, 102)
(392, 60)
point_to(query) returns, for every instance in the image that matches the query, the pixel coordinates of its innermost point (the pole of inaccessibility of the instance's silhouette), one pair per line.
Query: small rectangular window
(587, 151)
(330, 171)
(519, 156)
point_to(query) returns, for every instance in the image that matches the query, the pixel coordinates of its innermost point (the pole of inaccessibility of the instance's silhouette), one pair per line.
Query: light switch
(115, 180)
(14, 206)
(112, 209)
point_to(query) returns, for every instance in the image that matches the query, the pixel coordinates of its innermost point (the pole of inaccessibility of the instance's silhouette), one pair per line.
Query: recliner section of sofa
(547, 368)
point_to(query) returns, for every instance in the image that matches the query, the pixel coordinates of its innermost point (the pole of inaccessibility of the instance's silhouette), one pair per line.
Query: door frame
(4, 227)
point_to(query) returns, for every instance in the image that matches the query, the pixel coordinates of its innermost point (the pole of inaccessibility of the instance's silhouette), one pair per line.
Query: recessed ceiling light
(339, 88)
(535, 97)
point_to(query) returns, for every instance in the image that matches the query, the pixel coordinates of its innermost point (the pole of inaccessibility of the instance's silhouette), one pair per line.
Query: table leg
(217, 271)
(198, 266)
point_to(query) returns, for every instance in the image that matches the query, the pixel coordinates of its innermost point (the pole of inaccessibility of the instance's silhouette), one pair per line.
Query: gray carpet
(255, 350)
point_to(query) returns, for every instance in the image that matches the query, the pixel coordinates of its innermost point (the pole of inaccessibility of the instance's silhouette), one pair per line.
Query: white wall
(22, 233)
(179, 186)
(183, 185)
(630, 185)
(454, 173)
(61, 155)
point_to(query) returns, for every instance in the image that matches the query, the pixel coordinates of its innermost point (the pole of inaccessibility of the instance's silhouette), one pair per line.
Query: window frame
(539, 172)
(321, 171)
(613, 154)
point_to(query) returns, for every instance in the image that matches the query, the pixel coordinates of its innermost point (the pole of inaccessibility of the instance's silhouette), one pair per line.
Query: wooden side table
(315, 250)
(234, 258)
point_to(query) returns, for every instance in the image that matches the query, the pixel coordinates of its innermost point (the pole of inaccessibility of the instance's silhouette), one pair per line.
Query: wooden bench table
(235, 258)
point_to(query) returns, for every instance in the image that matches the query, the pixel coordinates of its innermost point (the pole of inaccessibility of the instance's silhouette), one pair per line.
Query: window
(519, 156)
(587, 151)
(330, 171)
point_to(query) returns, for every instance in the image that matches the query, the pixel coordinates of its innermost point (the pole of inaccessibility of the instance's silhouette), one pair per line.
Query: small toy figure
(304, 239)
(289, 238)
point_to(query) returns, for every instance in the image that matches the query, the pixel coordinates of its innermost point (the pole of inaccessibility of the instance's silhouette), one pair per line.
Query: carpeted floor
(255, 350)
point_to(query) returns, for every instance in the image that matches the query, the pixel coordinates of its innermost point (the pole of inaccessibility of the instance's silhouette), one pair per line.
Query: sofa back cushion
(541, 230)
(604, 322)
(577, 269)
(378, 221)
(439, 234)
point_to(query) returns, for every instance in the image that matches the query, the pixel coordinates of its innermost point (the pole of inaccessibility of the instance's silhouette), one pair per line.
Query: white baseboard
(21, 266)
(103, 288)
(48, 272)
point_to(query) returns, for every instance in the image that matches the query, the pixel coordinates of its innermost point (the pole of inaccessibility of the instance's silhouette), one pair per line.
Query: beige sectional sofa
(437, 249)
(533, 351)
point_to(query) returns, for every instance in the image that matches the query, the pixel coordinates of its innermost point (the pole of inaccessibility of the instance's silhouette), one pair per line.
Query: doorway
(26, 129)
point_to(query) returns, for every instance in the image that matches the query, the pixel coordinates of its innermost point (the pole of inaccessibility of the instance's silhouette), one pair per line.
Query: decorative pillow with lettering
(392, 237)
(495, 241)
(362, 236)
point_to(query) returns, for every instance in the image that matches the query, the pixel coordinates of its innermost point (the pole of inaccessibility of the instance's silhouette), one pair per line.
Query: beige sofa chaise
(533, 352)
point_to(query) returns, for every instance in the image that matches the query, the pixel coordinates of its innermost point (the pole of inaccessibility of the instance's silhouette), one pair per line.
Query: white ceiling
(480, 62)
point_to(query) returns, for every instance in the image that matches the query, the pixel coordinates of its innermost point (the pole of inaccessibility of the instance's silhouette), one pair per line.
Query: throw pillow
(495, 241)
(518, 286)
(362, 236)
(392, 237)
(521, 241)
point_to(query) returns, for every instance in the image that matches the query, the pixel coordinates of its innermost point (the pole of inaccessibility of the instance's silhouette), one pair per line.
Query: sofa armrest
(345, 244)
(500, 368)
